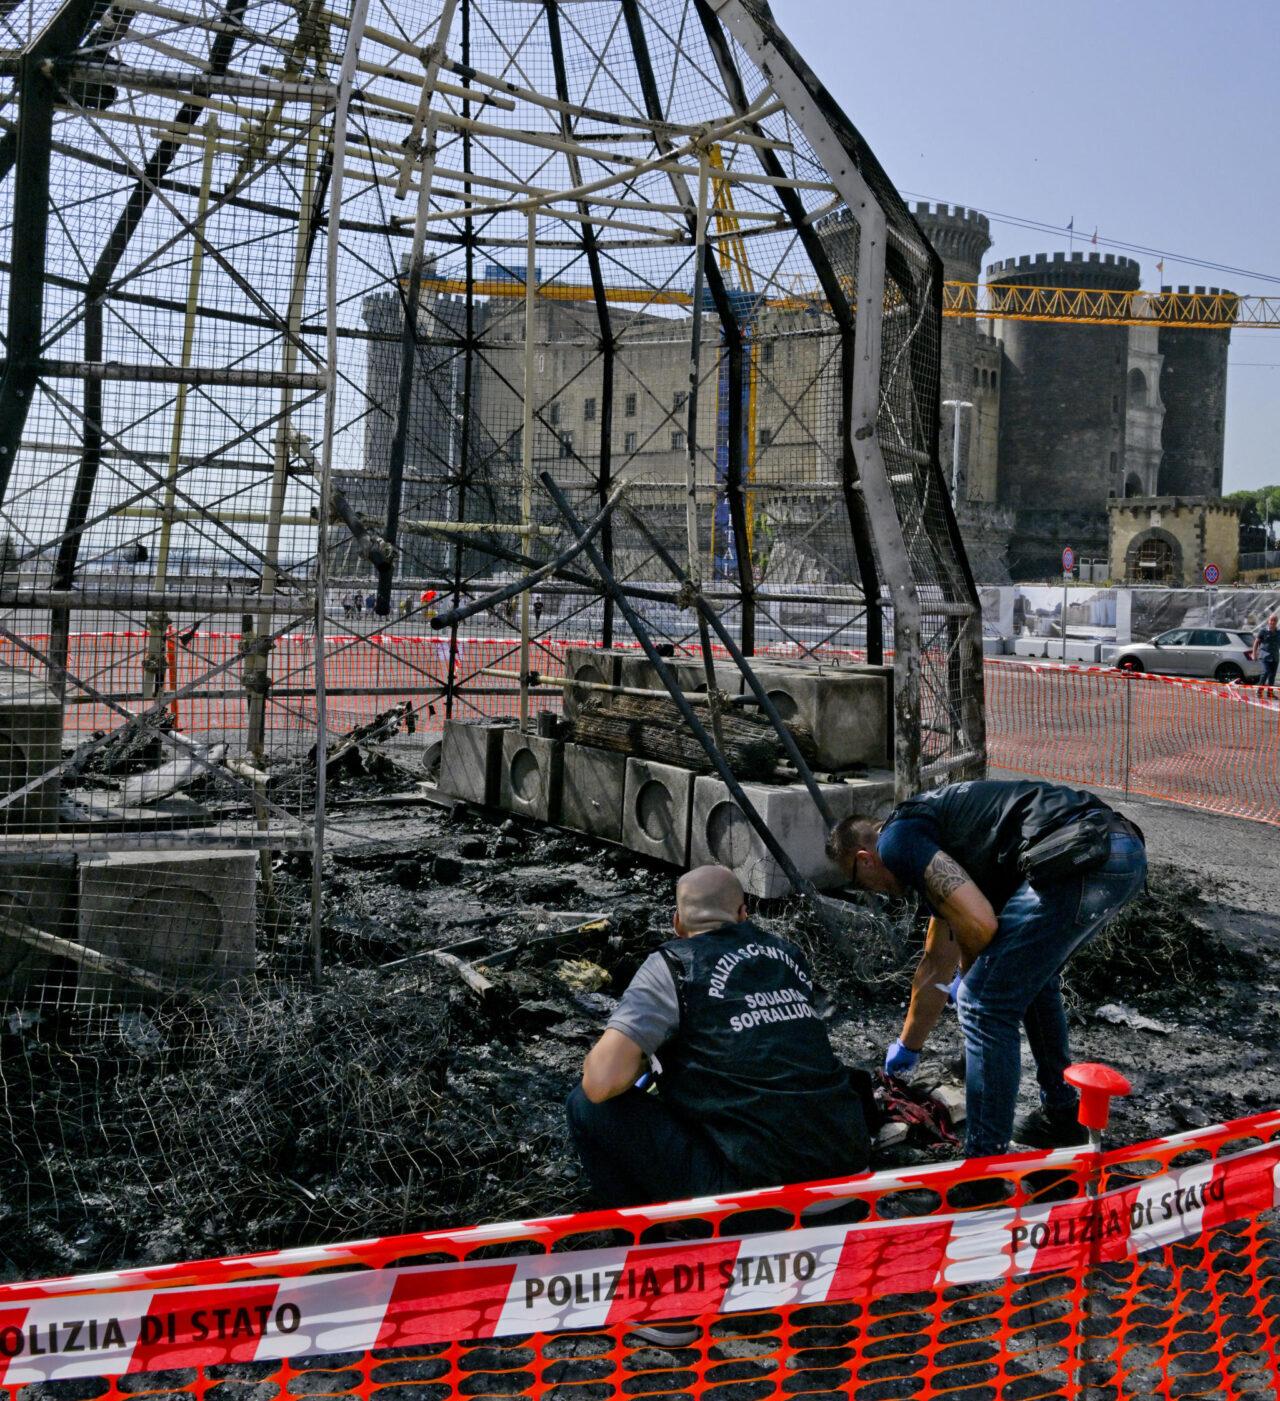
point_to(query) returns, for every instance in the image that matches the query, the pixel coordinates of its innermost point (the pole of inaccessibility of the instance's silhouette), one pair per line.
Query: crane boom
(982, 301)
(1212, 311)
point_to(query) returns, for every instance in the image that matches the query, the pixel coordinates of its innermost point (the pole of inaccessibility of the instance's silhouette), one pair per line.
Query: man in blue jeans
(959, 847)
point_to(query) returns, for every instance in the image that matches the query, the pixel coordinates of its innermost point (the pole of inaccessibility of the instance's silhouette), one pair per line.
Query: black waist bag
(1070, 851)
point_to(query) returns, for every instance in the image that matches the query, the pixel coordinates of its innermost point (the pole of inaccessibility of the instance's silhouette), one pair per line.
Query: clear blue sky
(1154, 122)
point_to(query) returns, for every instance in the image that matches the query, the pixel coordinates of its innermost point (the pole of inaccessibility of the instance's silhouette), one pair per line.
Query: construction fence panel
(1162, 1284)
(1191, 742)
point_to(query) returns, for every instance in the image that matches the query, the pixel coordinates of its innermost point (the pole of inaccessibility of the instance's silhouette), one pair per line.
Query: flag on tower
(1160, 267)
(1094, 239)
(1071, 223)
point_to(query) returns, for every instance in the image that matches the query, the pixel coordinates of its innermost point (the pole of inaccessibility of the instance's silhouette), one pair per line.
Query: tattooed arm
(929, 986)
(961, 905)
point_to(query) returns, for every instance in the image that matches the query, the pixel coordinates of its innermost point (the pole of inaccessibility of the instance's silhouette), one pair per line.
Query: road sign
(1212, 573)
(1068, 560)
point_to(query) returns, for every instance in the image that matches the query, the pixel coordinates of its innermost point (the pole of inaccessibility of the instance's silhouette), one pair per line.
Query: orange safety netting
(1192, 742)
(1164, 1285)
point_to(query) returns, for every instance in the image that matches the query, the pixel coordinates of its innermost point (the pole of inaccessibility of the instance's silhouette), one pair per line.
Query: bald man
(750, 1093)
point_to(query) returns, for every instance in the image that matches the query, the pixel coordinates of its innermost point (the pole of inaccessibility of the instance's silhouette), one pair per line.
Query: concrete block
(471, 760)
(993, 646)
(1050, 648)
(721, 834)
(189, 916)
(849, 710)
(591, 799)
(588, 664)
(40, 892)
(532, 776)
(638, 671)
(30, 744)
(656, 806)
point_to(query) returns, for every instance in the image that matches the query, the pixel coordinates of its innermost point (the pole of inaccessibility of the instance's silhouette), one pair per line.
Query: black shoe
(667, 1334)
(1050, 1128)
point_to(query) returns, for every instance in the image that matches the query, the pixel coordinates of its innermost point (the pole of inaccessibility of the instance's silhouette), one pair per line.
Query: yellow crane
(974, 300)
(1206, 311)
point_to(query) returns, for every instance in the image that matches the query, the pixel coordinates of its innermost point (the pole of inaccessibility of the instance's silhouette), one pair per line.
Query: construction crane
(1200, 310)
(974, 300)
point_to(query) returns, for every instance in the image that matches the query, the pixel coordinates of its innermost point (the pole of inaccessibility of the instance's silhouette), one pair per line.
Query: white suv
(1216, 652)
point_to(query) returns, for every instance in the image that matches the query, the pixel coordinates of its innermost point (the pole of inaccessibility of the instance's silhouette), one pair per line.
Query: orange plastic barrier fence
(1192, 742)
(1167, 1284)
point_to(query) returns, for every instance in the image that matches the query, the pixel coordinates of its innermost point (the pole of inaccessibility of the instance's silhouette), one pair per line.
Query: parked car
(1221, 653)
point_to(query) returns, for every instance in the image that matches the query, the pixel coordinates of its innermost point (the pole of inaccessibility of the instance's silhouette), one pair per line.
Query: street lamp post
(955, 405)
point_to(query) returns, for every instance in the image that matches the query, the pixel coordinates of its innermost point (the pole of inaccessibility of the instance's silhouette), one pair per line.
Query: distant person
(1017, 876)
(370, 603)
(1266, 649)
(537, 609)
(750, 1093)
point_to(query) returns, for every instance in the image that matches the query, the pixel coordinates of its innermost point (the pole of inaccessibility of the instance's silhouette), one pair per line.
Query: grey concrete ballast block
(30, 744)
(40, 892)
(592, 792)
(638, 671)
(588, 664)
(532, 774)
(471, 760)
(189, 916)
(721, 835)
(656, 807)
(848, 710)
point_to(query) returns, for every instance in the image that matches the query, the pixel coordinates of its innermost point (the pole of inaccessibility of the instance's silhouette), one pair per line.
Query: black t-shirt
(984, 826)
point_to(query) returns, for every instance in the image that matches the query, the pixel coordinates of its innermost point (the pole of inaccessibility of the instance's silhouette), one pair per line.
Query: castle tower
(1062, 414)
(960, 237)
(1193, 385)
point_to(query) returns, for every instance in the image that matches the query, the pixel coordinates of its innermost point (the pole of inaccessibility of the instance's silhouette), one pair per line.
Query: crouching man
(750, 1093)
(1017, 877)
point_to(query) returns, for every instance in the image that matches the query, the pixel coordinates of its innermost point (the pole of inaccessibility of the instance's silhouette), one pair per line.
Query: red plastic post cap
(1097, 1084)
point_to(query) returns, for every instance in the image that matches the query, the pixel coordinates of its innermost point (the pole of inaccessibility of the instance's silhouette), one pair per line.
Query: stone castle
(1059, 420)
(1055, 421)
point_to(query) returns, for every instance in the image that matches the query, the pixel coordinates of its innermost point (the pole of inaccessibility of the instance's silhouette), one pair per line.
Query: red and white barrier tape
(48, 1336)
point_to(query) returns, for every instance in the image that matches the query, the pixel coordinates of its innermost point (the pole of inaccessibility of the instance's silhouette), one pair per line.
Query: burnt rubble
(470, 962)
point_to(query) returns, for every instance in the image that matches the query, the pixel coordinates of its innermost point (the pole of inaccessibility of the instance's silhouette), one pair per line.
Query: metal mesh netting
(310, 309)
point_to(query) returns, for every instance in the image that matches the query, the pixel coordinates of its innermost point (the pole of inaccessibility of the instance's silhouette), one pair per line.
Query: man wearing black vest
(1017, 876)
(750, 1093)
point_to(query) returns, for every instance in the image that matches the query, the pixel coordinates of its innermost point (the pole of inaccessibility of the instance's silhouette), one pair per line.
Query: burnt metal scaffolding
(303, 301)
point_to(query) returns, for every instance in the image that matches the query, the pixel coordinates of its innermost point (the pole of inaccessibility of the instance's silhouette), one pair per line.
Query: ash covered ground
(398, 1098)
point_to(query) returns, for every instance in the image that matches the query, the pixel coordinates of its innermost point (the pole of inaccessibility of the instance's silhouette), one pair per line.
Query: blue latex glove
(900, 1059)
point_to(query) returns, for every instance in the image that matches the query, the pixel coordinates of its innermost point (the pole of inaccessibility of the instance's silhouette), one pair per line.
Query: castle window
(566, 444)
(589, 410)
(629, 443)
(553, 414)
(766, 353)
(995, 379)
(677, 441)
(680, 400)
(764, 437)
(629, 406)
(976, 377)
(1115, 403)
